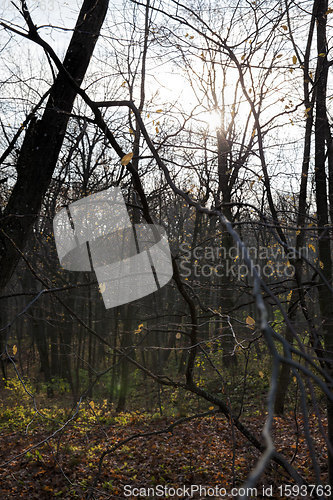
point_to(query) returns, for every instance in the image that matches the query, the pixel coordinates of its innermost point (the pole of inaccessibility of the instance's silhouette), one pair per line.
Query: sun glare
(211, 119)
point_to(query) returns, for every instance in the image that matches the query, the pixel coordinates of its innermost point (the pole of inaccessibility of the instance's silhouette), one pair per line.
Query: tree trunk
(324, 244)
(223, 149)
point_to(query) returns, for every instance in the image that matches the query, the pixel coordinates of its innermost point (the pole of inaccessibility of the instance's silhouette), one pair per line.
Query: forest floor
(40, 460)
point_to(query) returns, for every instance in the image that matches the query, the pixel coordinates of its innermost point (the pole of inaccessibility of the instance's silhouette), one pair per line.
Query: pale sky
(164, 80)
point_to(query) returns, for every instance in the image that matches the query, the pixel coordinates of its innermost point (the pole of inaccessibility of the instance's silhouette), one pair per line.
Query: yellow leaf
(329, 11)
(92, 405)
(289, 295)
(284, 27)
(250, 321)
(253, 133)
(321, 264)
(211, 408)
(159, 111)
(14, 350)
(298, 232)
(279, 55)
(322, 54)
(126, 159)
(102, 287)
(178, 335)
(306, 111)
(261, 375)
(243, 57)
(131, 131)
(139, 329)
(191, 37)
(157, 130)
(312, 247)
(294, 59)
